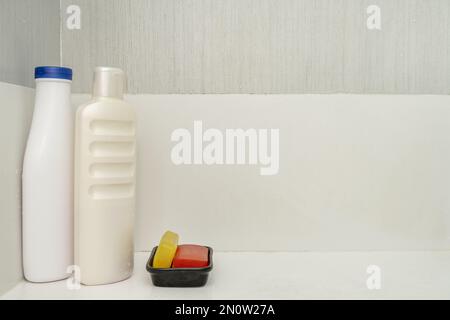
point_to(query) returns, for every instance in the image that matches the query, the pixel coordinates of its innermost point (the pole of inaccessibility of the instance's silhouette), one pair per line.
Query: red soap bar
(190, 256)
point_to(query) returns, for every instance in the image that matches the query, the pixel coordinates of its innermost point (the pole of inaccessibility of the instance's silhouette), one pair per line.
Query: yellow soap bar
(166, 250)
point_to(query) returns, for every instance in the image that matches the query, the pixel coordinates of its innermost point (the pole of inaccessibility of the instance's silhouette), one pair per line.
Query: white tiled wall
(357, 172)
(16, 108)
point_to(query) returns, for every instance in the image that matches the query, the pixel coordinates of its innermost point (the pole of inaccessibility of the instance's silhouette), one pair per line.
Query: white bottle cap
(109, 82)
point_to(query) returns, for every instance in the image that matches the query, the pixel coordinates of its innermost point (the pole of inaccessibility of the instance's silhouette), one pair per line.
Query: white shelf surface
(278, 275)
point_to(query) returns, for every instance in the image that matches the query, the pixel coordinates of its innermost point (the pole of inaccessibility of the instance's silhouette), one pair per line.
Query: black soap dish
(179, 277)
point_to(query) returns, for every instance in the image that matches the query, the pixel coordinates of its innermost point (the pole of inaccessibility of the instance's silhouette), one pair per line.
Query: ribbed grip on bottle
(109, 82)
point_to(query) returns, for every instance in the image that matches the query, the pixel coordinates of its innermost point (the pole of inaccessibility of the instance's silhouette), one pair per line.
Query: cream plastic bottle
(47, 180)
(105, 162)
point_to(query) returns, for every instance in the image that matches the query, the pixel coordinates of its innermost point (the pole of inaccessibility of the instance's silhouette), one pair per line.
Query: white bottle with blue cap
(47, 181)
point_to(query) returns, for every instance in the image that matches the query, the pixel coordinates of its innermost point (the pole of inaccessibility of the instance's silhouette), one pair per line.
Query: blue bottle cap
(53, 73)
